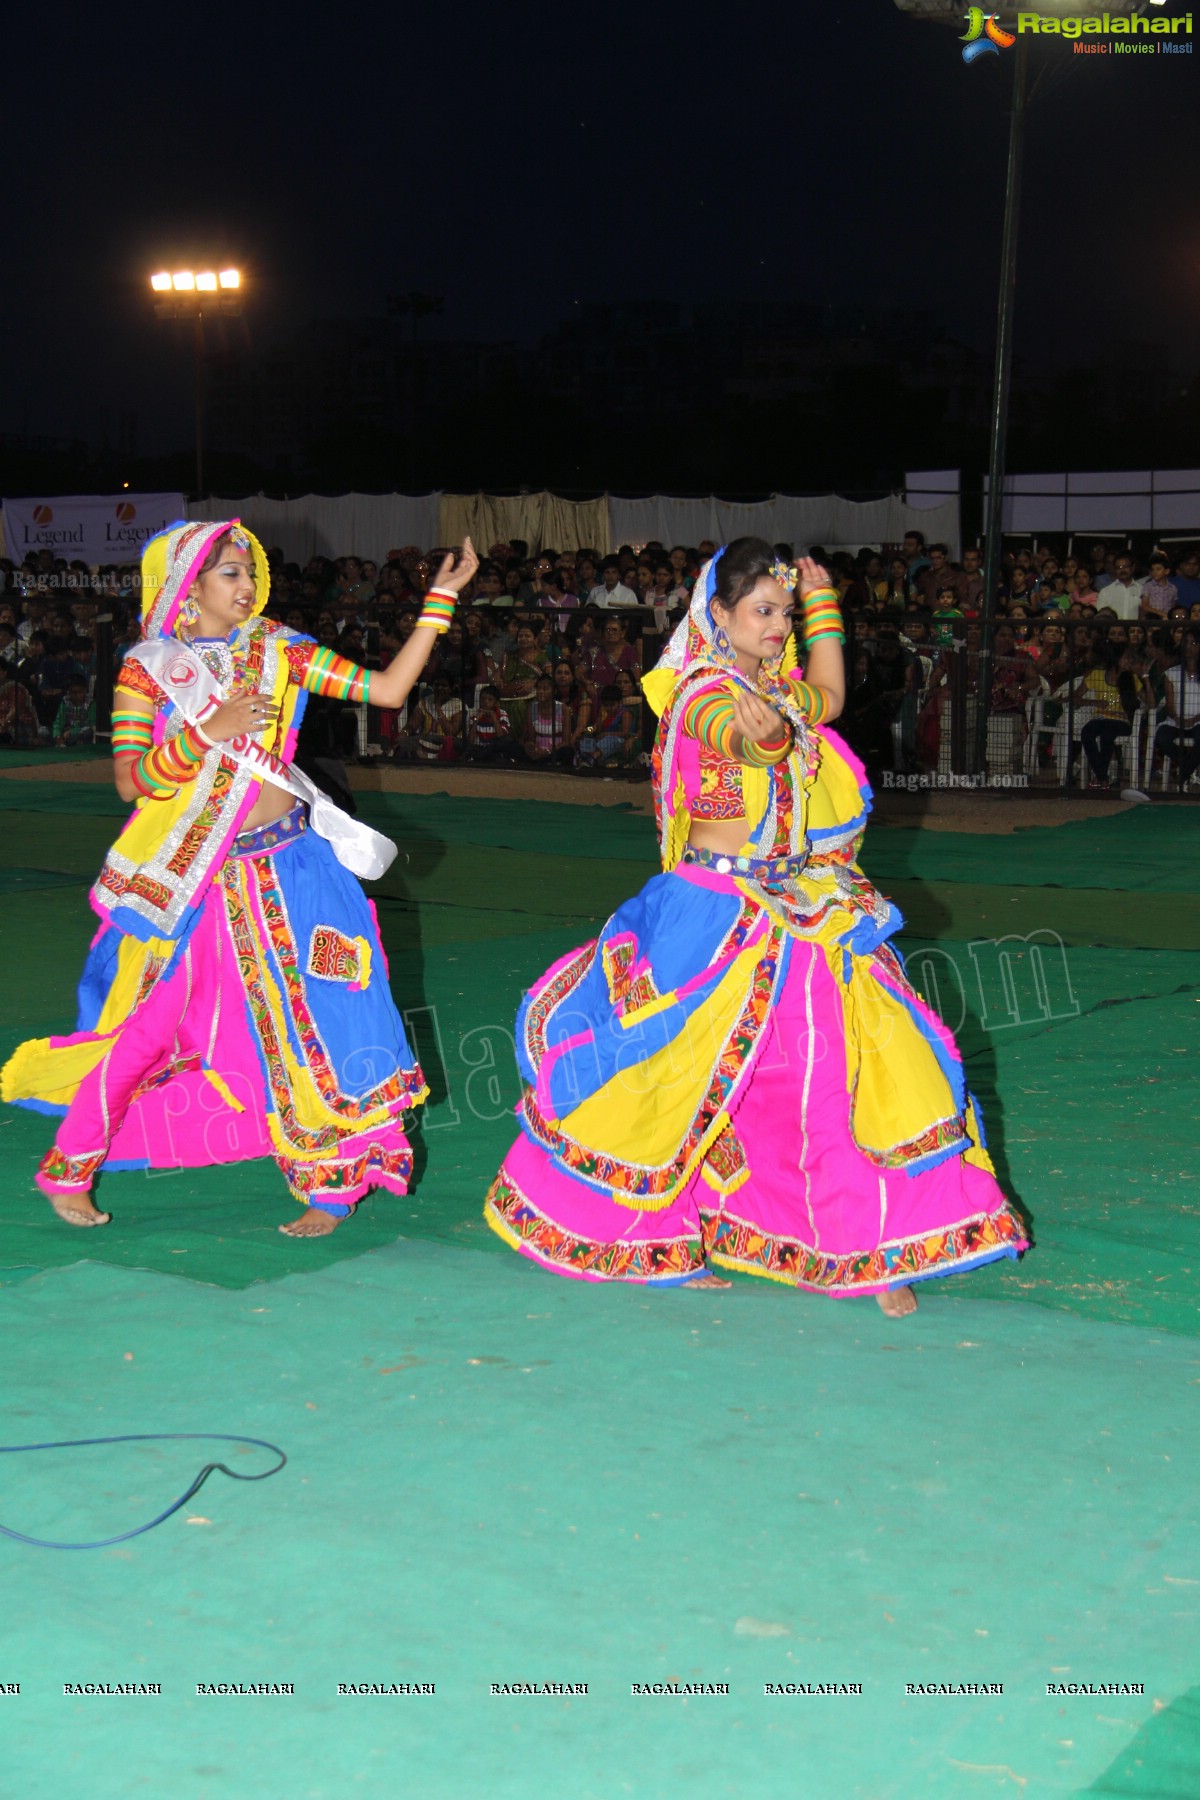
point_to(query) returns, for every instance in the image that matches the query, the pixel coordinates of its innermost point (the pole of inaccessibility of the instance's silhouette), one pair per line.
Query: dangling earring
(189, 615)
(721, 644)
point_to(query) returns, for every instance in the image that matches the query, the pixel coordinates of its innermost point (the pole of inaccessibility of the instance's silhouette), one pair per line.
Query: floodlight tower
(188, 294)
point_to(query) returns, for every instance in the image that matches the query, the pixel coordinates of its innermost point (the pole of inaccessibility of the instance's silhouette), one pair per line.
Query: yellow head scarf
(171, 562)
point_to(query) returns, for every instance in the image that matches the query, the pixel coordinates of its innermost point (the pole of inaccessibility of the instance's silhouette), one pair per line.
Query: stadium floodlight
(189, 294)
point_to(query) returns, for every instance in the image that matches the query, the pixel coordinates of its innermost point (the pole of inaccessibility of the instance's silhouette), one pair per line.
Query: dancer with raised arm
(235, 1000)
(737, 1072)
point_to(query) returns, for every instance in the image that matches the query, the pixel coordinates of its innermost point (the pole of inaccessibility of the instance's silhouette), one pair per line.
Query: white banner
(90, 528)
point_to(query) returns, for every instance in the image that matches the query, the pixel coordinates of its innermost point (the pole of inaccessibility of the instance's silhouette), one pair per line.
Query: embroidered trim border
(76, 1172)
(348, 1179)
(737, 1244)
(515, 1218)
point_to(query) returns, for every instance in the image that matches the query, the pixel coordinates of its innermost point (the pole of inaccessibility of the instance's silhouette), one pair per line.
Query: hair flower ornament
(785, 575)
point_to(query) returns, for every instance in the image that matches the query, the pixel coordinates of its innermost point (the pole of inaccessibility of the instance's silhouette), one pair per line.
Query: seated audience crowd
(1093, 657)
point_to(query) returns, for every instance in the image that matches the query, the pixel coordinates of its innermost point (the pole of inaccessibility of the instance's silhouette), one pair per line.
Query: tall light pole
(1008, 40)
(188, 294)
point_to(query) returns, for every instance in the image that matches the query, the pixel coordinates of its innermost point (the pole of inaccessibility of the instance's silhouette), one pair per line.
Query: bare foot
(897, 1303)
(77, 1209)
(311, 1223)
(708, 1280)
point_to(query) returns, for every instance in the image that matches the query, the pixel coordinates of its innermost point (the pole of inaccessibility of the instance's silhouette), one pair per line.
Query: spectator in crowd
(868, 585)
(1103, 559)
(608, 742)
(548, 725)
(1187, 579)
(587, 574)
(631, 701)
(552, 596)
(614, 653)
(1056, 597)
(900, 591)
(75, 720)
(18, 716)
(455, 663)
(668, 588)
(612, 590)
(939, 574)
(1051, 660)
(1159, 594)
(946, 614)
(1019, 585)
(865, 721)
(490, 589)
(519, 676)
(1124, 592)
(531, 586)
(1179, 738)
(912, 549)
(1111, 689)
(971, 586)
(51, 670)
(490, 735)
(1083, 593)
(434, 726)
(37, 612)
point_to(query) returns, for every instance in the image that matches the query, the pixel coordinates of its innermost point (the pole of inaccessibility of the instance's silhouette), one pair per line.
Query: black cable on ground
(147, 1437)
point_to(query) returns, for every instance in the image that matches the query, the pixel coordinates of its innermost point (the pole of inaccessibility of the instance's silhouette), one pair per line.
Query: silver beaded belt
(755, 868)
(261, 839)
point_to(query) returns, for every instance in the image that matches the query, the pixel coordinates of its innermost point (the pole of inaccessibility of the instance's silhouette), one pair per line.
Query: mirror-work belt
(754, 868)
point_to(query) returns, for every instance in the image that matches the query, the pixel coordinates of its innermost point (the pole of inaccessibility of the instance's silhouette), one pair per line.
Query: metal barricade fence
(1083, 717)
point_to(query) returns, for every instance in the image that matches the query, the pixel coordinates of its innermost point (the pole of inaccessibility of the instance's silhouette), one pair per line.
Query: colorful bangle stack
(765, 756)
(132, 733)
(164, 770)
(822, 616)
(811, 699)
(438, 609)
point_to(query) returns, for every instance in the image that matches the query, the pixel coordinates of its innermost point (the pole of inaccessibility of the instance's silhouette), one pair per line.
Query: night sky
(521, 158)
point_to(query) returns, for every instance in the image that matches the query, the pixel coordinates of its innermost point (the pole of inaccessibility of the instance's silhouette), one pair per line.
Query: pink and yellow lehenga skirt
(719, 1079)
(269, 1031)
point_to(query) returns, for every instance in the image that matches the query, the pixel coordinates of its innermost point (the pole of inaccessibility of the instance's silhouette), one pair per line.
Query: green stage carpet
(500, 1477)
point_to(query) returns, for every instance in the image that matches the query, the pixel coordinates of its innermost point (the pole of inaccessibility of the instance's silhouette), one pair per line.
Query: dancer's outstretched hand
(454, 574)
(811, 577)
(756, 719)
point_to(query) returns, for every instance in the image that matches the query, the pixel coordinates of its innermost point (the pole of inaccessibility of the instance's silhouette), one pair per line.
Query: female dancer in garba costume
(737, 1071)
(235, 1001)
